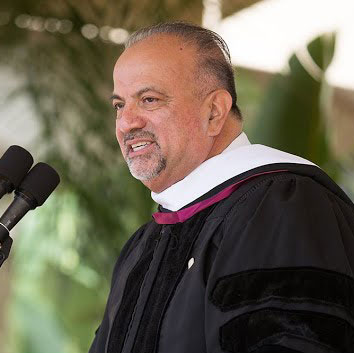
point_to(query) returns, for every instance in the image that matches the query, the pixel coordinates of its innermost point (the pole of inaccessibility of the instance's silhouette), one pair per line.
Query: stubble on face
(149, 165)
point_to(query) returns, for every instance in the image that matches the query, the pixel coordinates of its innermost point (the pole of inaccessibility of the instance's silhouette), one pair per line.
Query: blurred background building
(295, 87)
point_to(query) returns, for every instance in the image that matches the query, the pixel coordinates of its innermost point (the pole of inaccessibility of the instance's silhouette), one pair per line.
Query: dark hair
(212, 49)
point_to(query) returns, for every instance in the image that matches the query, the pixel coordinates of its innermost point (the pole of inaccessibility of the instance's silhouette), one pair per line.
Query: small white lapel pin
(190, 263)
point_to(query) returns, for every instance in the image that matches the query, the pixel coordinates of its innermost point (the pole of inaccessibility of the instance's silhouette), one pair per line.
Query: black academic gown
(267, 269)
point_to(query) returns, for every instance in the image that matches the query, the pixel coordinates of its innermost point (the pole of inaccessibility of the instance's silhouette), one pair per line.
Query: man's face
(161, 126)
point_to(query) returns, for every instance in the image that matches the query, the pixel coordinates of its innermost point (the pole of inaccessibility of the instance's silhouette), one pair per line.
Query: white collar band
(239, 157)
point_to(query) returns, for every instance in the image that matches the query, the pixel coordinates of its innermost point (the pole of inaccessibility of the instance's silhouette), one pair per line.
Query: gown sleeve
(282, 279)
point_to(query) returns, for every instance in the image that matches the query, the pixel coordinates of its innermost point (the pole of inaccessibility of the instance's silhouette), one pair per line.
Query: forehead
(162, 59)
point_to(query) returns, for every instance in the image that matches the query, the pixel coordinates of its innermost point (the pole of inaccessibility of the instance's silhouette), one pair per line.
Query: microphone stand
(5, 247)
(9, 219)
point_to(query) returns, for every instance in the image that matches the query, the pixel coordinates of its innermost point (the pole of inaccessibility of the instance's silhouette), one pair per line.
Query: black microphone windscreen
(40, 182)
(15, 164)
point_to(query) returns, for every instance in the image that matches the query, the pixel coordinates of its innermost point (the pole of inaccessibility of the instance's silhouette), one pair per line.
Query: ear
(219, 103)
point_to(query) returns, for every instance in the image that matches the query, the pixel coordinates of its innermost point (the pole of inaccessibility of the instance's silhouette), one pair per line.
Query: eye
(150, 100)
(118, 106)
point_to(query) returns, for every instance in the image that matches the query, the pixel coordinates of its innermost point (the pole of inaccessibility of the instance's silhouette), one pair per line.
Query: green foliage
(58, 295)
(229, 7)
(293, 114)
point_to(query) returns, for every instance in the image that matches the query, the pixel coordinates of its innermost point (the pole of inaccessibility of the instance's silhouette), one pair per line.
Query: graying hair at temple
(213, 51)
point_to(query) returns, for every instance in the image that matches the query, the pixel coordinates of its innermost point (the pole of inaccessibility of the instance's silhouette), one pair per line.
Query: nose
(128, 119)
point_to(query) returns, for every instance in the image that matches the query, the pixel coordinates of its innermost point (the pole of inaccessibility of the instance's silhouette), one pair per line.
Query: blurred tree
(294, 113)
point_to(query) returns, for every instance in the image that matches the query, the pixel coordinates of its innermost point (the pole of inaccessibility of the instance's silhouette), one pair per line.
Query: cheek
(195, 123)
(194, 130)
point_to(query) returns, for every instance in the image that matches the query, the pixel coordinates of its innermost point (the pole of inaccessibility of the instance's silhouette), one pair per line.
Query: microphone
(14, 166)
(34, 190)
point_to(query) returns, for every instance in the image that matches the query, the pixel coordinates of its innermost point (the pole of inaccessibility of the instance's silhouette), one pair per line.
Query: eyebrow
(140, 92)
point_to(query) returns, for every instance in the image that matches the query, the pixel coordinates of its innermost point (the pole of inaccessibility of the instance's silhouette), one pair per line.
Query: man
(252, 249)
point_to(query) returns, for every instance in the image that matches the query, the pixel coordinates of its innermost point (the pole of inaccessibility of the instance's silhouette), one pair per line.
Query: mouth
(140, 145)
(139, 148)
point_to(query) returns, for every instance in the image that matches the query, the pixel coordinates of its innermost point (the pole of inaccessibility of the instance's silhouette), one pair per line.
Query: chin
(143, 176)
(143, 172)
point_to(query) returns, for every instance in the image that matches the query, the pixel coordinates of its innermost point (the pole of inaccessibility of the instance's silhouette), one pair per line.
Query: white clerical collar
(239, 157)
